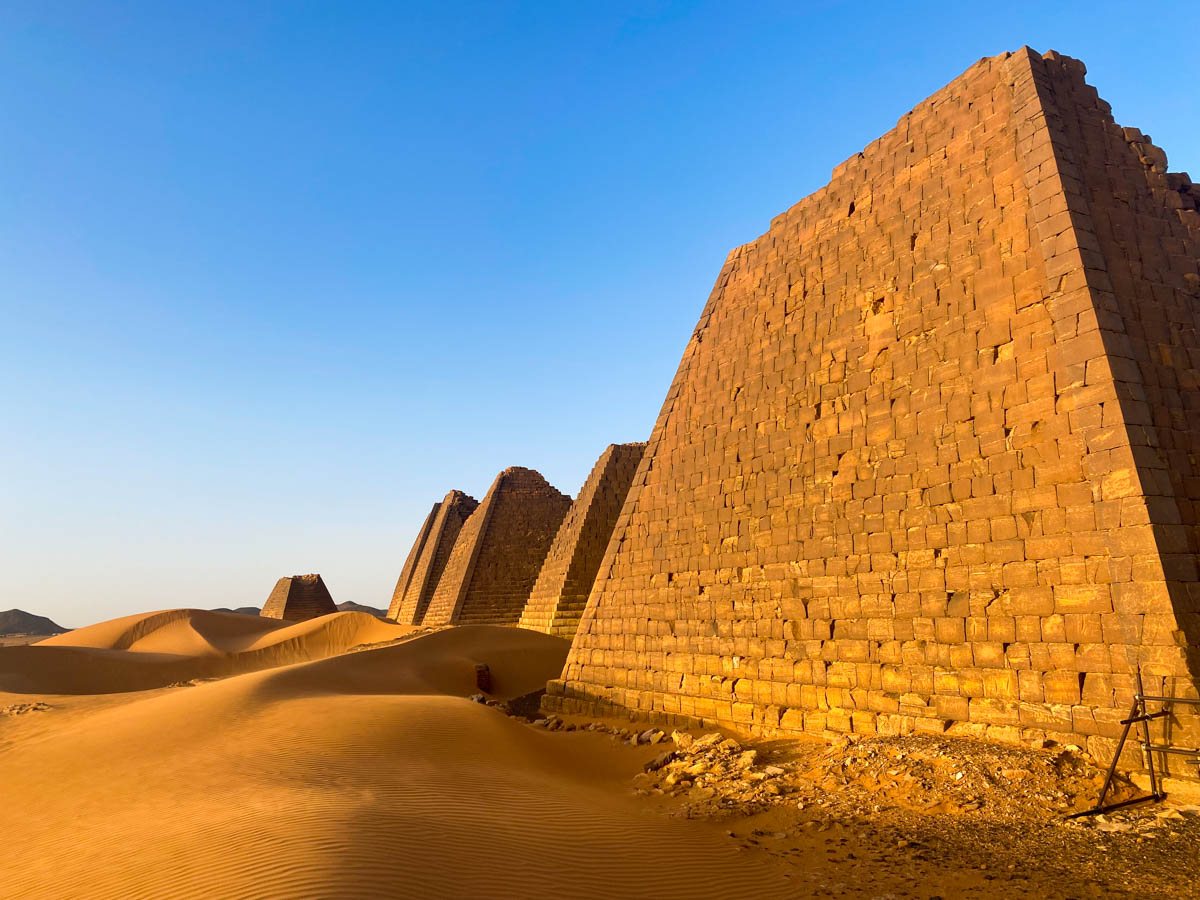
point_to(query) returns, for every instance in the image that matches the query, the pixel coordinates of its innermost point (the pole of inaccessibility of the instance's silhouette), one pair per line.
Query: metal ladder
(1141, 716)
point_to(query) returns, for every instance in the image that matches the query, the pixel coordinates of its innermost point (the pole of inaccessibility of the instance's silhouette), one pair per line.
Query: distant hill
(342, 607)
(17, 621)
(358, 607)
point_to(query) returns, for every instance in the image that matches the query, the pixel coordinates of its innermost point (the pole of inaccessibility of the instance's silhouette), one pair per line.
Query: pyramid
(410, 562)
(562, 587)
(499, 552)
(298, 598)
(931, 459)
(428, 557)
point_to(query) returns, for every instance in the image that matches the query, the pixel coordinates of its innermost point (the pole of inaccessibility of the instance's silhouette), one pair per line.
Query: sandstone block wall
(297, 598)
(560, 593)
(455, 508)
(499, 552)
(411, 562)
(929, 462)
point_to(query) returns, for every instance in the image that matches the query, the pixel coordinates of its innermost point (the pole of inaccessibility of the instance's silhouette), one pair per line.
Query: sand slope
(151, 650)
(362, 775)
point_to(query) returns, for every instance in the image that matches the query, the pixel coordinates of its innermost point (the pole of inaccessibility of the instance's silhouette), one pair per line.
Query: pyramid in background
(428, 557)
(562, 587)
(499, 552)
(410, 562)
(297, 598)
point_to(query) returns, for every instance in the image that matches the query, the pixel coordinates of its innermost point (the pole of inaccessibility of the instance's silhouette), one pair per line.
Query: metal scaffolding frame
(1141, 716)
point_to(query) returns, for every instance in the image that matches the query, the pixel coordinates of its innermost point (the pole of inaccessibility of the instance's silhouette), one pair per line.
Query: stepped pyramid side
(298, 598)
(929, 462)
(499, 552)
(562, 587)
(411, 562)
(454, 510)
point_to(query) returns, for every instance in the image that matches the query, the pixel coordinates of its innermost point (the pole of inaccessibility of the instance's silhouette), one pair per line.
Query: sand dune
(361, 775)
(152, 650)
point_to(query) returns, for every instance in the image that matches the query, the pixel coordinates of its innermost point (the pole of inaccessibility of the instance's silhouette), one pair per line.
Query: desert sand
(187, 753)
(363, 774)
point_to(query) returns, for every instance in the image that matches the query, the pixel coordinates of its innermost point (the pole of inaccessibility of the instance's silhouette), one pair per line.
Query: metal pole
(1147, 754)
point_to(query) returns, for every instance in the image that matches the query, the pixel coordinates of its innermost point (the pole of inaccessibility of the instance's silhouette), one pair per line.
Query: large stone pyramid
(931, 460)
(562, 587)
(297, 598)
(428, 557)
(499, 552)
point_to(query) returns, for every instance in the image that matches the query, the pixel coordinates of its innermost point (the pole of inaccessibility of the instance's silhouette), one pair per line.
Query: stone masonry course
(499, 552)
(297, 598)
(562, 587)
(931, 459)
(435, 541)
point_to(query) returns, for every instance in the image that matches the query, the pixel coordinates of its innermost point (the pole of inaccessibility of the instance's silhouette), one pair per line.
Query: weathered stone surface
(562, 587)
(298, 598)
(931, 460)
(428, 558)
(410, 563)
(499, 552)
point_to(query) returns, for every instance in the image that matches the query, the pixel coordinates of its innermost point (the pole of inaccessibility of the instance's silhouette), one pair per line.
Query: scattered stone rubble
(905, 812)
(716, 775)
(19, 709)
(919, 773)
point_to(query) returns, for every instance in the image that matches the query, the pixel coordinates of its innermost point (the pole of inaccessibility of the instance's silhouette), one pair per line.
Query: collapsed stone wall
(411, 562)
(928, 462)
(454, 510)
(298, 598)
(499, 552)
(560, 593)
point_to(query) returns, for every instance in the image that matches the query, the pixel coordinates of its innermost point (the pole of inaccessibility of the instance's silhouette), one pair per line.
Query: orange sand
(364, 774)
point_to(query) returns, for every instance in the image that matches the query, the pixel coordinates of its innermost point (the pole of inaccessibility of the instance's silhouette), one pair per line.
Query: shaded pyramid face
(298, 598)
(429, 556)
(499, 552)
(565, 580)
(930, 459)
(410, 562)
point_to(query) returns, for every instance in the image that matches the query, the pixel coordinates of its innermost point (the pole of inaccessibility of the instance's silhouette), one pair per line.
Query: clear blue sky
(276, 276)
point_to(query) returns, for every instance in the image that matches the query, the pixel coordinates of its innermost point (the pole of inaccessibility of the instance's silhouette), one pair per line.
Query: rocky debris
(713, 773)
(527, 706)
(659, 761)
(933, 806)
(928, 774)
(1140, 820)
(20, 709)
(932, 773)
(191, 682)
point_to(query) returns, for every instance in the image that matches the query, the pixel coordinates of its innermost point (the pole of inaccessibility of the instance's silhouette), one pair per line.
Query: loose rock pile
(918, 773)
(714, 772)
(907, 812)
(19, 709)
(914, 773)
(937, 774)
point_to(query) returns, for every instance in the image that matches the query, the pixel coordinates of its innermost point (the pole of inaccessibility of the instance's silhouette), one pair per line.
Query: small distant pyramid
(499, 552)
(297, 598)
(561, 591)
(428, 557)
